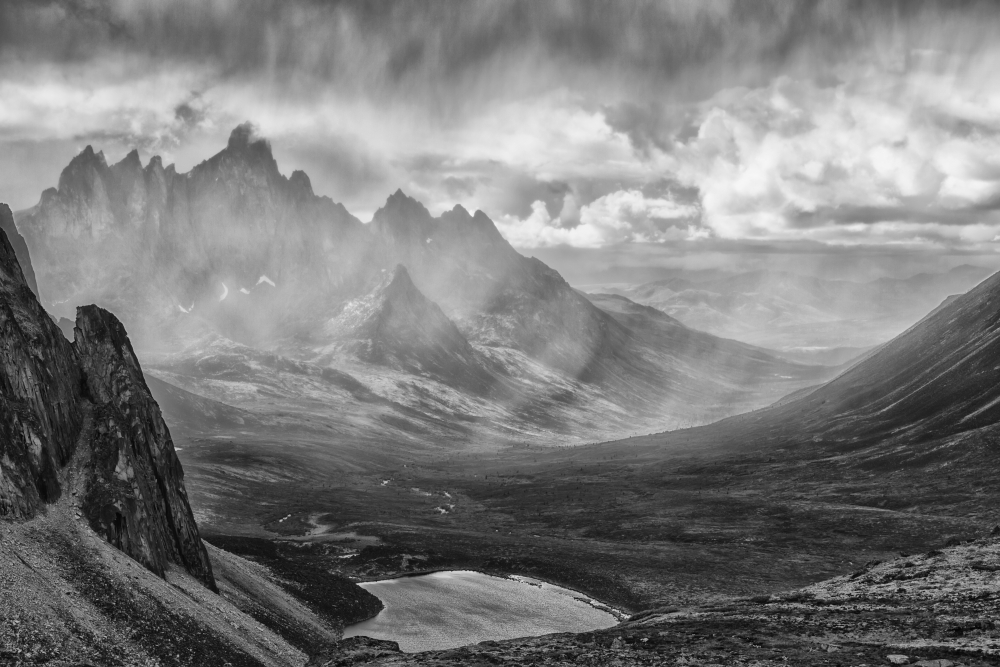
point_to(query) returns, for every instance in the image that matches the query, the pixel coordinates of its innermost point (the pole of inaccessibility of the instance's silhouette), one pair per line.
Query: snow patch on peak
(265, 279)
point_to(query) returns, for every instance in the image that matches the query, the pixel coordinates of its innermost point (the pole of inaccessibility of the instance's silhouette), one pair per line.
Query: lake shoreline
(448, 608)
(621, 613)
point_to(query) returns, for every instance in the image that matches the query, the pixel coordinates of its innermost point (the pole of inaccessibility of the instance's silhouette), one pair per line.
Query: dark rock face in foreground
(40, 408)
(19, 245)
(85, 404)
(135, 495)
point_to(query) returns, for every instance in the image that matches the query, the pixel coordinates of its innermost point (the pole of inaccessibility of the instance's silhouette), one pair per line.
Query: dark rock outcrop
(86, 404)
(40, 407)
(135, 489)
(19, 246)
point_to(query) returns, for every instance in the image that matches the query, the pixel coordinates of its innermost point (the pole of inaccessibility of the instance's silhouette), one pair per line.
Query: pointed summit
(87, 157)
(244, 136)
(401, 278)
(131, 160)
(300, 182)
(81, 170)
(403, 220)
(396, 325)
(398, 286)
(400, 202)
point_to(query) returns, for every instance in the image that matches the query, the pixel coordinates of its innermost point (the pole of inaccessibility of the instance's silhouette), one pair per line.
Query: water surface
(448, 609)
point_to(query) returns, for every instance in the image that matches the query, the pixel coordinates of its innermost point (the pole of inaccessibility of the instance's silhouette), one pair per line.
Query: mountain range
(233, 250)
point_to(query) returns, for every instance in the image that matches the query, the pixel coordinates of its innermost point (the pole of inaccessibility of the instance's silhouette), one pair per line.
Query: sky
(855, 138)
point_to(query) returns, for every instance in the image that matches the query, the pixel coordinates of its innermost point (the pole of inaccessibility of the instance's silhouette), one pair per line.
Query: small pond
(449, 609)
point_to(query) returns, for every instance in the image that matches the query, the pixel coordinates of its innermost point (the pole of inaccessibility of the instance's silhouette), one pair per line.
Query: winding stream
(449, 609)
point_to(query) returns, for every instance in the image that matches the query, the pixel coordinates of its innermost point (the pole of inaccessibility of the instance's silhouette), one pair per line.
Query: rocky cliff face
(84, 405)
(41, 413)
(135, 490)
(19, 246)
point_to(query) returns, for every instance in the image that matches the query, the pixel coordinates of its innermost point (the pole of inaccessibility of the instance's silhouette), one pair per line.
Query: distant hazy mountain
(235, 249)
(808, 317)
(152, 243)
(396, 325)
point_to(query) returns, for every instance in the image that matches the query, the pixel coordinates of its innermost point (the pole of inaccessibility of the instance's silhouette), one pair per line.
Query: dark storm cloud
(647, 125)
(387, 46)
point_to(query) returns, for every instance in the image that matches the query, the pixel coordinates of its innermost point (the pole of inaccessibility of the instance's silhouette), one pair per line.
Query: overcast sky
(653, 134)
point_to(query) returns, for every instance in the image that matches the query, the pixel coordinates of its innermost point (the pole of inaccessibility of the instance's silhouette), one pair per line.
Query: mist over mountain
(153, 243)
(235, 249)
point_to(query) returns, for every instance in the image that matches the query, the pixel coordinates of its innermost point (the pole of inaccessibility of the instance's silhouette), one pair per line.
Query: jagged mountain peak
(244, 136)
(81, 169)
(131, 161)
(246, 153)
(300, 183)
(88, 154)
(403, 221)
(479, 223)
(402, 207)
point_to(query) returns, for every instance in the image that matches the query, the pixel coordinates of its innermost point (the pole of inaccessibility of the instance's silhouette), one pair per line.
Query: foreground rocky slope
(102, 562)
(60, 397)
